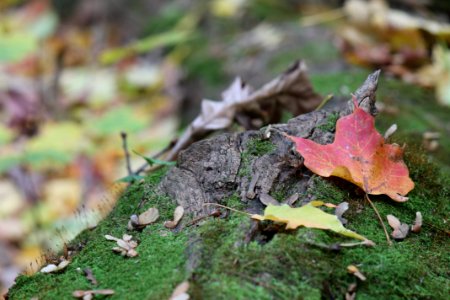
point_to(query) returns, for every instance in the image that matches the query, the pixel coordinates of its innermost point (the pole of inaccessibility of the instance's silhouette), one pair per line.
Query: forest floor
(296, 264)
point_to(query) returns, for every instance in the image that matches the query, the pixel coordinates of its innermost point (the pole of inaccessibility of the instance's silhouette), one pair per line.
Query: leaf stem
(379, 218)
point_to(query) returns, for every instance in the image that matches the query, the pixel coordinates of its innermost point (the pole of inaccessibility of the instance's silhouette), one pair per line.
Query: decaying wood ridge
(209, 170)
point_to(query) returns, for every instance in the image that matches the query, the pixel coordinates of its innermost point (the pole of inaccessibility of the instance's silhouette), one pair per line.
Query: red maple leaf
(360, 155)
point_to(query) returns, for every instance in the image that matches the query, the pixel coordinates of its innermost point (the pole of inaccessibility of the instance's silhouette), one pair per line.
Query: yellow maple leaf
(308, 216)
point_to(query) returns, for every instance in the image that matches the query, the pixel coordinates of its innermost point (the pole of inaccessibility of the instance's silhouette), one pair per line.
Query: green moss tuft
(330, 123)
(255, 148)
(152, 275)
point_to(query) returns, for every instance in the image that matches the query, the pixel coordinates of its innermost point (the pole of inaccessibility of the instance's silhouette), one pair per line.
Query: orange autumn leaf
(360, 155)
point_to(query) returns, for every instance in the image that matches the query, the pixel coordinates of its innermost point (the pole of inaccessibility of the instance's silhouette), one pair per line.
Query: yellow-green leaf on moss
(308, 216)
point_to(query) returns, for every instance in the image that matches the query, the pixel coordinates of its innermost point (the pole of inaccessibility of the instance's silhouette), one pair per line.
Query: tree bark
(210, 170)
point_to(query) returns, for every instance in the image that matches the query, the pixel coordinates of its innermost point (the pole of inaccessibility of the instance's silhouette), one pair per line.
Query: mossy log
(253, 163)
(234, 257)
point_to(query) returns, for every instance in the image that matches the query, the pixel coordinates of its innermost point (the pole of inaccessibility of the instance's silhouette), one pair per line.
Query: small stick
(123, 135)
(324, 101)
(379, 218)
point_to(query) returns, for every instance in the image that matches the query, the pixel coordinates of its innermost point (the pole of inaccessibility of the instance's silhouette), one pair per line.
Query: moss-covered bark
(279, 264)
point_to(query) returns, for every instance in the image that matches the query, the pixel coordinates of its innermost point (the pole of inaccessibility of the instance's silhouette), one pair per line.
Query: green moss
(330, 123)
(294, 265)
(255, 148)
(152, 275)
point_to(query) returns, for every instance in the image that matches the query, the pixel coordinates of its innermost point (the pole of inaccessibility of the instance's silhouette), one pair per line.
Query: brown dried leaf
(266, 199)
(180, 292)
(90, 276)
(417, 226)
(291, 200)
(126, 245)
(82, 293)
(178, 214)
(352, 269)
(290, 90)
(400, 229)
(51, 268)
(340, 210)
(149, 216)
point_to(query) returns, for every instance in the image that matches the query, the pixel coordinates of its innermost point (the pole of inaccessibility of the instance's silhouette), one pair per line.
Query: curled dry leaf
(351, 292)
(355, 271)
(400, 229)
(390, 131)
(51, 268)
(340, 210)
(126, 246)
(291, 91)
(148, 217)
(178, 214)
(180, 292)
(90, 276)
(291, 200)
(266, 199)
(417, 226)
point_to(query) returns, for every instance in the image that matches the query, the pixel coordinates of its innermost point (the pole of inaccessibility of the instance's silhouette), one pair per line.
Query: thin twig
(324, 101)
(123, 135)
(379, 218)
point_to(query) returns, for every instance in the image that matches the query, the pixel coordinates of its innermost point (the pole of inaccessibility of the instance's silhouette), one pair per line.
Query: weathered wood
(209, 170)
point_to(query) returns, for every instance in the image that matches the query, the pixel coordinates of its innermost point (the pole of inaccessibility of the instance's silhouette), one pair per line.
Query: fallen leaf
(266, 199)
(308, 216)
(355, 271)
(90, 276)
(417, 226)
(180, 292)
(400, 229)
(351, 292)
(149, 216)
(51, 268)
(291, 200)
(90, 293)
(178, 214)
(126, 246)
(291, 91)
(359, 154)
(340, 210)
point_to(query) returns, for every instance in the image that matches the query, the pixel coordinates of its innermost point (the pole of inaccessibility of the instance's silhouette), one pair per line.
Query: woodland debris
(430, 140)
(401, 230)
(345, 156)
(177, 215)
(340, 210)
(126, 246)
(352, 269)
(148, 217)
(308, 216)
(89, 294)
(52, 268)
(90, 276)
(266, 199)
(417, 226)
(290, 90)
(180, 292)
(351, 292)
